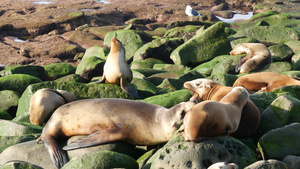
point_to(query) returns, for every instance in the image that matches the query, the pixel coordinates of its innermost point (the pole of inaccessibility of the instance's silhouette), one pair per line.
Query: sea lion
(110, 119)
(223, 165)
(257, 56)
(44, 101)
(211, 118)
(264, 81)
(116, 69)
(206, 89)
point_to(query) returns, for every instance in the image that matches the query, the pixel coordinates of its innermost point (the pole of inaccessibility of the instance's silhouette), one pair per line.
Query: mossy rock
(81, 90)
(172, 68)
(280, 142)
(296, 66)
(96, 51)
(276, 67)
(148, 71)
(19, 165)
(4, 115)
(127, 36)
(10, 128)
(281, 52)
(169, 99)
(17, 82)
(263, 14)
(203, 47)
(186, 32)
(144, 158)
(295, 57)
(223, 79)
(294, 45)
(90, 67)
(207, 67)
(69, 17)
(37, 71)
(7, 141)
(147, 63)
(102, 159)
(293, 73)
(57, 70)
(131, 48)
(71, 78)
(158, 78)
(144, 87)
(9, 101)
(235, 42)
(227, 66)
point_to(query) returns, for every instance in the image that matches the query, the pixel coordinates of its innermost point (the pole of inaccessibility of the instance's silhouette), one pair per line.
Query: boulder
(10, 128)
(131, 48)
(84, 39)
(276, 67)
(281, 52)
(223, 79)
(185, 32)
(19, 164)
(147, 63)
(102, 159)
(210, 43)
(71, 78)
(235, 42)
(293, 73)
(145, 88)
(57, 70)
(90, 67)
(31, 152)
(37, 71)
(9, 101)
(269, 164)
(148, 71)
(178, 153)
(7, 141)
(293, 161)
(295, 57)
(172, 68)
(17, 82)
(4, 115)
(207, 67)
(158, 78)
(294, 45)
(227, 66)
(280, 142)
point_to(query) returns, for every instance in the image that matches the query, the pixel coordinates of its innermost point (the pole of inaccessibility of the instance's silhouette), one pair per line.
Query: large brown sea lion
(205, 89)
(116, 69)
(258, 55)
(110, 119)
(211, 118)
(44, 101)
(264, 81)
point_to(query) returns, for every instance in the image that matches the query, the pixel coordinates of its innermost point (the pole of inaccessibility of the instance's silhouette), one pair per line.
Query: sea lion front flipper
(96, 138)
(102, 80)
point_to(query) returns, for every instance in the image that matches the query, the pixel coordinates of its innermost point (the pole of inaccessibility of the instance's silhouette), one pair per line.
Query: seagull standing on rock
(191, 12)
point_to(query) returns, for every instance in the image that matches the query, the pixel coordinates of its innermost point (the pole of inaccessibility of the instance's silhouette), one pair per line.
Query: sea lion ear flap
(205, 84)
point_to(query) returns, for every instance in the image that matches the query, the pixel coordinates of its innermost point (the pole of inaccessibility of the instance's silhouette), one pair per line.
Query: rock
(19, 164)
(223, 79)
(235, 42)
(185, 32)
(148, 71)
(71, 78)
(90, 67)
(293, 73)
(10, 128)
(178, 153)
(276, 67)
(9, 101)
(17, 82)
(4, 115)
(131, 48)
(101, 31)
(145, 88)
(295, 58)
(57, 70)
(169, 99)
(293, 161)
(227, 66)
(207, 67)
(171, 68)
(294, 45)
(80, 90)
(269, 164)
(31, 152)
(281, 52)
(269, 34)
(144, 158)
(220, 7)
(147, 63)
(84, 39)
(158, 48)
(96, 51)
(158, 78)
(102, 159)
(37, 71)
(280, 142)
(127, 36)
(203, 47)
(7, 141)
(296, 66)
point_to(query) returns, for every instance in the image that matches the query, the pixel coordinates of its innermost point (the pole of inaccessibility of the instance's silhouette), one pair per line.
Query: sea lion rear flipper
(102, 80)
(58, 156)
(240, 63)
(130, 90)
(96, 138)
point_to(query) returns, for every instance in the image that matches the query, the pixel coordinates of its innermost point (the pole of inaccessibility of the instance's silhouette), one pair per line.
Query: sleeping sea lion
(205, 89)
(264, 81)
(258, 55)
(44, 101)
(110, 119)
(116, 69)
(211, 118)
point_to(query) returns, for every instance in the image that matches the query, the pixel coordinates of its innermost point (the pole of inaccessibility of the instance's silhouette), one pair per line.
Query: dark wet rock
(280, 142)
(293, 161)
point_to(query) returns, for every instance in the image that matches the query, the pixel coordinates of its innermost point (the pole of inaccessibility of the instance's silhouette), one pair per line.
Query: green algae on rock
(58, 70)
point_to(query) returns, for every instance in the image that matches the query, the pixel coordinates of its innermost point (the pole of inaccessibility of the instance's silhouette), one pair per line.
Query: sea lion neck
(208, 95)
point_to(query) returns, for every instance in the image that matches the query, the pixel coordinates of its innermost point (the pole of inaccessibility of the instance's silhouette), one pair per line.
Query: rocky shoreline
(64, 45)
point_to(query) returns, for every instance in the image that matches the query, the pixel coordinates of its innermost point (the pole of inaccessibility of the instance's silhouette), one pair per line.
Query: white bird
(191, 12)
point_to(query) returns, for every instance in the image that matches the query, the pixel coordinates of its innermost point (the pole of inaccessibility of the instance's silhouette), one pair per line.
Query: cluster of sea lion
(222, 110)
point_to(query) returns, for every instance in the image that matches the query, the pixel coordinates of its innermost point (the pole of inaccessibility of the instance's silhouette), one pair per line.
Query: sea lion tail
(58, 156)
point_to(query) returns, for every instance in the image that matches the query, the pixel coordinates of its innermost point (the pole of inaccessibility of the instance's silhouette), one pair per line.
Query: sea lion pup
(205, 89)
(116, 69)
(108, 120)
(258, 55)
(264, 81)
(211, 118)
(223, 165)
(44, 101)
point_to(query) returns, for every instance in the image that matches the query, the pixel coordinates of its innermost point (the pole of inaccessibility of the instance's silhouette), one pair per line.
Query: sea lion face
(239, 49)
(116, 45)
(199, 87)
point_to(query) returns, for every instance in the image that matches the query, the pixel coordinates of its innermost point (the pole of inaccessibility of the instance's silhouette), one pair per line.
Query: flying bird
(191, 12)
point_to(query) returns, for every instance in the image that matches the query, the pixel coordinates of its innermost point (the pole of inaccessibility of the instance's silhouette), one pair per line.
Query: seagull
(191, 12)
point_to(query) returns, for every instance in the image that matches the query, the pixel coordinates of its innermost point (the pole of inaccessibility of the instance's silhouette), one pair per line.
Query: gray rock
(269, 164)
(30, 152)
(19, 165)
(293, 161)
(178, 153)
(10, 128)
(7, 141)
(280, 142)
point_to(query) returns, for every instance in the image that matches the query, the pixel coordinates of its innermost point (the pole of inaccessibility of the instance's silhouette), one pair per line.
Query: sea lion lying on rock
(44, 101)
(110, 119)
(258, 55)
(264, 81)
(211, 118)
(205, 89)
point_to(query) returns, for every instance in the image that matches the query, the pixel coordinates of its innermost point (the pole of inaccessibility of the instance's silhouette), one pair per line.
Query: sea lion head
(199, 87)
(239, 49)
(116, 45)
